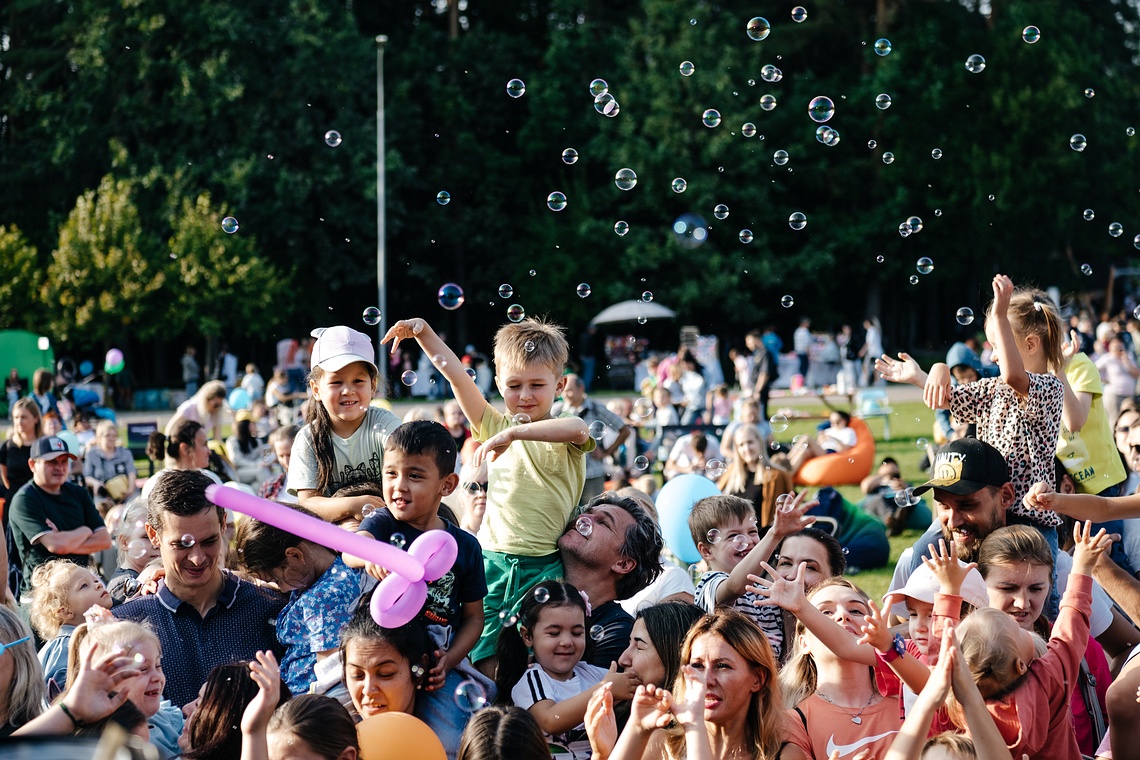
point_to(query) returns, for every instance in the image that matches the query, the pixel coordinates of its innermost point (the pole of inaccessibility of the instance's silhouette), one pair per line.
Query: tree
(21, 276)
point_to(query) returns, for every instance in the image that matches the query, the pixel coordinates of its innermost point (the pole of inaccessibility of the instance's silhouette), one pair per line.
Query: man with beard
(611, 551)
(972, 492)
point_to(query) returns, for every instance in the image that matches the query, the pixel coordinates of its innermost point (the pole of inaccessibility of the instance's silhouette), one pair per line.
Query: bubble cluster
(770, 73)
(965, 315)
(371, 315)
(229, 225)
(516, 88)
(450, 296)
(906, 498)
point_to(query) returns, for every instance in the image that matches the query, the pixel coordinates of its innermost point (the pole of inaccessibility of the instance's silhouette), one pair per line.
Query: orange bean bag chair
(848, 468)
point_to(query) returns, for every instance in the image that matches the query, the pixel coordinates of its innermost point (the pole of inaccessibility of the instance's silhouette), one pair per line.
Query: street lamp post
(381, 265)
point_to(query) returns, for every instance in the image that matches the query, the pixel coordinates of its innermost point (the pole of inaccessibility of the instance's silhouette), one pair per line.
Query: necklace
(854, 716)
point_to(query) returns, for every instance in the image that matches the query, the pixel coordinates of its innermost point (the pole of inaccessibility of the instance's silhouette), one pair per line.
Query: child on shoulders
(61, 592)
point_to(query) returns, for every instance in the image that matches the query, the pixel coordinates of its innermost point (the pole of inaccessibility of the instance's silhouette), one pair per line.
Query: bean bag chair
(847, 468)
(862, 536)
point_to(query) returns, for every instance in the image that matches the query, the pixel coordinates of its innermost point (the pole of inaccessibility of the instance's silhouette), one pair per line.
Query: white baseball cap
(337, 347)
(922, 585)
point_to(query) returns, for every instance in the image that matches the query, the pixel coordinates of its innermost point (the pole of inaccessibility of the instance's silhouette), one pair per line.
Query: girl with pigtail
(552, 683)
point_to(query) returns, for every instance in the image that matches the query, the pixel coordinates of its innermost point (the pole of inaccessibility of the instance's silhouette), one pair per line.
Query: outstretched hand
(601, 722)
(792, 514)
(1088, 547)
(100, 687)
(905, 370)
(786, 594)
(947, 568)
(649, 708)
(264, 671)
(493, 448)
(405, 329)
(876, 632)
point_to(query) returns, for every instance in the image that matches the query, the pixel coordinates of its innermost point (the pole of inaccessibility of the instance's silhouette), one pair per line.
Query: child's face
(964, 373)
(843, 605)
(734, 539)
(530, 390)
(1019, 590)
(797, 549)
(283, 450)
(84, 592)
(921, 620)
(345, 395)
(558, 639)
(413, 487)
(146, 690)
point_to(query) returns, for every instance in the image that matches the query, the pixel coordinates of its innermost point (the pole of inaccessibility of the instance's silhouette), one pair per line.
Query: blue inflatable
(239, 399)
(674, 503)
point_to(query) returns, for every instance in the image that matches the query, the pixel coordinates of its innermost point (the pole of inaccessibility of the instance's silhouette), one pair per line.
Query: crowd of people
(563, 626)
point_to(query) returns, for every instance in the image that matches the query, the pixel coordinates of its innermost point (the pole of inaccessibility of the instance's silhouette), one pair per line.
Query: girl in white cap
(343, 439)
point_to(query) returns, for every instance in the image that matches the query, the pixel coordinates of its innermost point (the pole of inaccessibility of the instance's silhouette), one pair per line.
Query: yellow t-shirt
(532, 490)
(1090, 456)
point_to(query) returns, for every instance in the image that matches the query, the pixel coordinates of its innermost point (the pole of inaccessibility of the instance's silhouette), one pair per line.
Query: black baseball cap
(965, 466)
(50, 447)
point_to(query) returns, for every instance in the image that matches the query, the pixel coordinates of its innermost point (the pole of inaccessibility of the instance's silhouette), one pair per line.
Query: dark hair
(214, 733)
(261, 546)
(890, 460)
(184, 432)
(643, 544)
(500, 732)
(667, 625)
(447, 513)
(410, 640)
(427, 438)
(243, 429)
(835, 556)
(181, 493)
(843, 416)
(320, 427)
(284, 433)
(319, 721)
(41, 381)
(510, 650)
(361, 488)
(700, 443)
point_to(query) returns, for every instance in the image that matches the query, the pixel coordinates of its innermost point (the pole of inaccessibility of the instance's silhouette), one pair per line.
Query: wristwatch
(897, 650)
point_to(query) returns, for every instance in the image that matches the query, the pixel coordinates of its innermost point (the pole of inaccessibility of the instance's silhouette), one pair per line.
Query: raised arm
(905, 370)
(1006, 353)
(466, 392)
(1083, 506)
(789, 520)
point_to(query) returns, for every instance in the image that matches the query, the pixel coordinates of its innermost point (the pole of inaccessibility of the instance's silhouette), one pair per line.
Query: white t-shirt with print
(358, 457)
(536, 685)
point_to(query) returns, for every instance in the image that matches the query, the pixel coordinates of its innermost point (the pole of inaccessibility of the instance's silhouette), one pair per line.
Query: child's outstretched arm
(1006, 353)
(1075, 412)
(911, 738)
(789, 519)
(1083, 506)
(906, 370)
(470, 628)
(561, 430)
(466, 392)
(559, 717)
(649, 711)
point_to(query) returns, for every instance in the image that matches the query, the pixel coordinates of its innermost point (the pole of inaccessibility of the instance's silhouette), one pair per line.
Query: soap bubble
(1089, 215)
(714, 469)
(785, 502)
(398, 540)
(767, 102)
(556, 201)
(975, 64)
(584, 525)
(921, 443)
(965, 315)
(569, 156)
(797, 220)
(599, 87)
(1130, 131)
(647, 296)
(541, 595)
(904, 229)
(915, 224)
(991, 198)
(914, 279)
(906, 497)
(780, 157)
(470, 696)
(880, 258)
(787, 302)
(872, 144)
(598, 429)
(831, 138)
(1136, 241)
(758, 28)
(138, 548)
(443, 197)
(332, 138)
(821, 108)
(1090, 92)
(1031, 34)
(713, 536)
(516, 313)
(409, 377)
(506, 291)
(625, 179)
(1086, 269)
(888, 158)
(748, 130)
(938, 212)
(186, 541)
(1078, 142)
(799, 14)
(605, 103)
(642, 462)
(597, 633)
(720, 211)
(516, 88)
(740, 542)
(823, 133)
(745, 236)
(1116, 229)
(687, 68)
(641, 319)
(533, 273)
(883, 46)
(770, 73)
(924, 265)
(679, 185)
(507, 619)
(642, 408)
(711, 118)
(450, 296)
(882, 101)
(778, 423)
(621, 228)
(528, 346)
(371, 316)
(229, 225)
(470, 372)
(584, 289)
(936, 154)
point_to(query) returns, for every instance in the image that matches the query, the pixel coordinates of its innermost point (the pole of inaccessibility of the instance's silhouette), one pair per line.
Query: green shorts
(509, 576)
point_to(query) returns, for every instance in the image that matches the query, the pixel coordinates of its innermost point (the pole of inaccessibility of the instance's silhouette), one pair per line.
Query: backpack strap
(1087, 686)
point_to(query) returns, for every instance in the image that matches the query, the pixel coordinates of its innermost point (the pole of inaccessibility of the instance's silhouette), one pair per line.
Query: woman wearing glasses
(472, 496)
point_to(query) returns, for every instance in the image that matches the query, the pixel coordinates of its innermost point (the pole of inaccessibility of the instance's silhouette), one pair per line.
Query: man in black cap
(52, 518)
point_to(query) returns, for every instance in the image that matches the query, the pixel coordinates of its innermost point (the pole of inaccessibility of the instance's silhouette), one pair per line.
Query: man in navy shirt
(203, 615)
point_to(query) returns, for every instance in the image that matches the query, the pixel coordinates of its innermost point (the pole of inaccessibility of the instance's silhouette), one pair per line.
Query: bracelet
(897, 650)
(75, 721)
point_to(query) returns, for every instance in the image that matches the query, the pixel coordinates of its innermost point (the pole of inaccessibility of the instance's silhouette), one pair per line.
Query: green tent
(22, 349)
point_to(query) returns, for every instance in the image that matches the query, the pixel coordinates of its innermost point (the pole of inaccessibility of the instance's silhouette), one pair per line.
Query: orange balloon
(398, 736)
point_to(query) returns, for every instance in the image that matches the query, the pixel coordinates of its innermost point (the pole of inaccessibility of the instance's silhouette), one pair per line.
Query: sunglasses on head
(474, 487)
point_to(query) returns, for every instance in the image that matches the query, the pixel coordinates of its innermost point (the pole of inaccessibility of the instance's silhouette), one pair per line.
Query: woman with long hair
(752, 476)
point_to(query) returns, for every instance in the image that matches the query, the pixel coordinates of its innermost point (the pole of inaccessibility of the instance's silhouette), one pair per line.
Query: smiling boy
(533, 487)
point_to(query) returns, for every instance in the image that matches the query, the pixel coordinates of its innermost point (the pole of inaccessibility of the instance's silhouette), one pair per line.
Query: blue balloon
(674, 503)
(86, 368)
(239, 399)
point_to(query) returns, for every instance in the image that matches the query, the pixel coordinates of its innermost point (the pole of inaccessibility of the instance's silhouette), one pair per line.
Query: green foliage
(21, 275)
